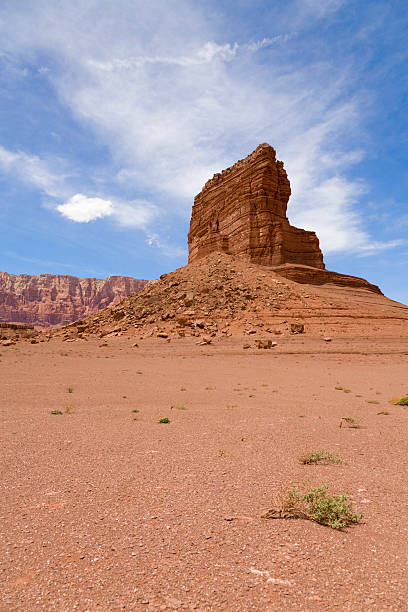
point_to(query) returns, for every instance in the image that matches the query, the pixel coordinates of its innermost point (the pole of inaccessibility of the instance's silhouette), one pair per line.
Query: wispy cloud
(209, 52)
(175, 100)
(33, 170)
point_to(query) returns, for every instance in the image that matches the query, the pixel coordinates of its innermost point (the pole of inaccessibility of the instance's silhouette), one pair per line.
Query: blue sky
(114, 114)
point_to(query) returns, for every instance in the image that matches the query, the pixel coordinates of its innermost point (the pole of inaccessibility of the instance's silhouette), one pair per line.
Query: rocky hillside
(47, 300)
(223, 295)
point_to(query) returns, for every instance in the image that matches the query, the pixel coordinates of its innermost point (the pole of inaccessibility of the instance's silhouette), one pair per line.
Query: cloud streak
(34, 171)
(175, 101)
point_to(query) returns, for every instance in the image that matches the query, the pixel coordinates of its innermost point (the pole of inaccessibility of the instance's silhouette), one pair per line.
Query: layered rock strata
(47, 300)
(242, 211)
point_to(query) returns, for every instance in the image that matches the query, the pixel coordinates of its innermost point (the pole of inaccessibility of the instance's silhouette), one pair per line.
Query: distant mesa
(47, 300)
(242, 211)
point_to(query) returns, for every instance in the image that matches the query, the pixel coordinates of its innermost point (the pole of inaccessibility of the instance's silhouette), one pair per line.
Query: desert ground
(105, 508)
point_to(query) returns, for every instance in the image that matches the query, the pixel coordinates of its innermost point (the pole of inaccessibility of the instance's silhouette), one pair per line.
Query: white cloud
(82, 209)
(137, 214)
(35, 171)
(209, 52)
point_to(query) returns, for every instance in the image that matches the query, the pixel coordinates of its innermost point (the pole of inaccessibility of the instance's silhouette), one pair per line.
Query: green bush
(315, 504)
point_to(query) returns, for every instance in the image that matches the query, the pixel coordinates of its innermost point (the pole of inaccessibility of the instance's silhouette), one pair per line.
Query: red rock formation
(307, 275)
(242, 211)
(48, 299)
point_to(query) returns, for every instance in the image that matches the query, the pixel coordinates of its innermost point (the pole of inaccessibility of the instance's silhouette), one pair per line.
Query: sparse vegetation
(164, 420)
(341, 388)
(402, 401)
(315, 504)
(350, 422)
(179, 407)
(135, 410)
(70, 389)
(56, 412)
(373, 402)
(384, 412)
(319, 456)
(68, 409)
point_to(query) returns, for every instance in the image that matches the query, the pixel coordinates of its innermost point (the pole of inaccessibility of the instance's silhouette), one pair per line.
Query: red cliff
(46, 300)
(242, 211)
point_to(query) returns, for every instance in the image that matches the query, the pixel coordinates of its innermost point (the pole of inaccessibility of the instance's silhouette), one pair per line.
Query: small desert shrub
(68, 409)
(350, 422)
(384, 412)
(373, 402)
(56, 412)
(319, 456)
(135, 410)
(70, 389)
(179, 407)
(340, 388)
(402, 401)
(164, 420)
(315, 504)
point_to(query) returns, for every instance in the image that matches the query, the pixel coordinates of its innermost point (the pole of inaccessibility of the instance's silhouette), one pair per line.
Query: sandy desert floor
(103, 508)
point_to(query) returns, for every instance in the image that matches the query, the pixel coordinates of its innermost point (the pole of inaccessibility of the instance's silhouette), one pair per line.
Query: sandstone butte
(47, 300)
(242, 211)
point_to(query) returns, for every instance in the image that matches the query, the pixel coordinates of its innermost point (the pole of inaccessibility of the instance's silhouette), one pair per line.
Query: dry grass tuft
(321, 456)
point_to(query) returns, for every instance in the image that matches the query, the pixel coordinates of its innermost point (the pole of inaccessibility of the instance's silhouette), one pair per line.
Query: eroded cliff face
(47, 300)
(242, 211)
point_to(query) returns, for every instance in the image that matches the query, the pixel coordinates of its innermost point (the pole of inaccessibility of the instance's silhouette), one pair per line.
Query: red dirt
(105, 509)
